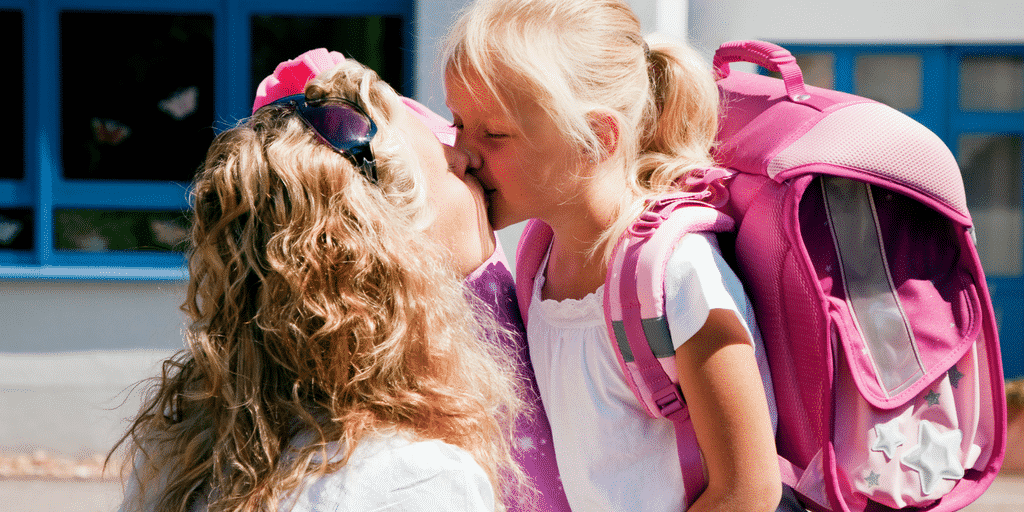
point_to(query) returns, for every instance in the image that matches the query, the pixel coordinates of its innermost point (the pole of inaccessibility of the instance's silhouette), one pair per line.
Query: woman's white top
(387, 472)
(611, 455)
(395, 474)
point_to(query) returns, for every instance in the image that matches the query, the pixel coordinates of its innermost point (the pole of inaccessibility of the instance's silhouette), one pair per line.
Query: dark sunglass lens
(342, 126)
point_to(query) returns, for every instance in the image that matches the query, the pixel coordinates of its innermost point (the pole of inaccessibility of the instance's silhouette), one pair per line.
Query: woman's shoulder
(392, 471)
(399, 450)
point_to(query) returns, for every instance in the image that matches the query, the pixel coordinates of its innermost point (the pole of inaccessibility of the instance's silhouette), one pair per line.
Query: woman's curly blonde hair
(320, 308)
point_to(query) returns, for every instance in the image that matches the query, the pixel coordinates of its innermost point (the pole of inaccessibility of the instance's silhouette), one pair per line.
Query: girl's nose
(475, 162)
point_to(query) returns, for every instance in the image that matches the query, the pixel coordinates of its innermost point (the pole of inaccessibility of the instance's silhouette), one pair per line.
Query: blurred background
(115, 101)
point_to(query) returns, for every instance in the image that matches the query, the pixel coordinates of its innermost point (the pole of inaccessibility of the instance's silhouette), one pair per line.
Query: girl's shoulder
(696, 254)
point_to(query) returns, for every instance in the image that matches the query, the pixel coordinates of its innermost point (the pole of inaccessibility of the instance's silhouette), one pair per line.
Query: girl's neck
(576, 266)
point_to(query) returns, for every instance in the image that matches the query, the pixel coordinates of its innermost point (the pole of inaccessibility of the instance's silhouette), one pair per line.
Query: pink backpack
(853, 239)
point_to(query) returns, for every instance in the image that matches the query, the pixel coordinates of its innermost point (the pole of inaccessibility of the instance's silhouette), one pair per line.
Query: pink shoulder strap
(634, 307)
(533, 245)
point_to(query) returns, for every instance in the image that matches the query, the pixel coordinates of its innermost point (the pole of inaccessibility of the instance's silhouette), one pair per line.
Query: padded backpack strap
(533, 245)
(634, 304)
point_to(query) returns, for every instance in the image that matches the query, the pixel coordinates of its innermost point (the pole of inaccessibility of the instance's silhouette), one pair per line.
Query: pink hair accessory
(441, 127)
(290, 77)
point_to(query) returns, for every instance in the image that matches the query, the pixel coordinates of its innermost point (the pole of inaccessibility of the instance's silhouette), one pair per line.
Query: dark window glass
(818, 69)
(13, 88)
(16, 229)
(136, 95)
(895, 80)
(992, 168)
(106, 230)
(375, 41)
(992, 83)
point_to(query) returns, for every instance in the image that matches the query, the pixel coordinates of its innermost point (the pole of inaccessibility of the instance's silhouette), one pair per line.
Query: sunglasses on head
(340, 123)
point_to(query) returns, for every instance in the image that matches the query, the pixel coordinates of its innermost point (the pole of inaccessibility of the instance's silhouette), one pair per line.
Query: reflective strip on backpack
(658, 337)
(870, 293)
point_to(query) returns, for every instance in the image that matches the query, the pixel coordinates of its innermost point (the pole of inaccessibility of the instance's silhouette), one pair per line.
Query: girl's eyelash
(488, 134)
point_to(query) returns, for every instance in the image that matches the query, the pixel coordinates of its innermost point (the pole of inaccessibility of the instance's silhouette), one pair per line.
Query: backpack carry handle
(767, 55)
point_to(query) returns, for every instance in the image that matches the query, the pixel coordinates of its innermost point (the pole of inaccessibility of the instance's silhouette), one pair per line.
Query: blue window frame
(972, 96)
(72, 205)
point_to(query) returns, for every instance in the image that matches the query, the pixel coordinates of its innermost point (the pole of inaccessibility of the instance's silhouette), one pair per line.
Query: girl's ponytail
(679, 137)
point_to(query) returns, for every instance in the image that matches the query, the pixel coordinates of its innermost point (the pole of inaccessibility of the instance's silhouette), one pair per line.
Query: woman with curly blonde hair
(333, 359)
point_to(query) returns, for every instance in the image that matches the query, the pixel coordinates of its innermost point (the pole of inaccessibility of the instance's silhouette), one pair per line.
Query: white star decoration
(889, 437)
(527, 444)
(937, 456)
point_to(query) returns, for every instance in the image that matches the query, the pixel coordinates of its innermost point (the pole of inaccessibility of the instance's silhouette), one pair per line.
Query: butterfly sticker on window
(168, 232)
(9, 228)
(181, 104)
(109, 131)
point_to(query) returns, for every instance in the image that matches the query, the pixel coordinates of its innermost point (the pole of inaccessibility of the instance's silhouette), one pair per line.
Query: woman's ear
(606, 127)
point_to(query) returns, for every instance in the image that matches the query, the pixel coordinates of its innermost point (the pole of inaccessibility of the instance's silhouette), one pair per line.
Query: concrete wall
(70, 353)
(71, 316)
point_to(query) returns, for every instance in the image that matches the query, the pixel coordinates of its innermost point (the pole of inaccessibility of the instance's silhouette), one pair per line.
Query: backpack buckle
(671, 403)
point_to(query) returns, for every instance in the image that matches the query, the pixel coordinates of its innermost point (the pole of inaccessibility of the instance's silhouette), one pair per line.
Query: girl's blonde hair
(319, 308)
(578, 58)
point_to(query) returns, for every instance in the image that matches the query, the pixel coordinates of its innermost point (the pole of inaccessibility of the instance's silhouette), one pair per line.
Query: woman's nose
(458, 160)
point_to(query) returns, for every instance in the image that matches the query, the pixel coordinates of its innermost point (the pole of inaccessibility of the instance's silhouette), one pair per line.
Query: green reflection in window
(106, 230)
(991, 168)
(991, 83)
(818, 69)
(895, 80)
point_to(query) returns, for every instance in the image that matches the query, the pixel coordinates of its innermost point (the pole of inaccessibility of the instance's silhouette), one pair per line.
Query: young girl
(576, 120)
(333, 361)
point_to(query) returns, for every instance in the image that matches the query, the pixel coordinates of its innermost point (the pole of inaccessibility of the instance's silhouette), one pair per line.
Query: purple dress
(493, 283)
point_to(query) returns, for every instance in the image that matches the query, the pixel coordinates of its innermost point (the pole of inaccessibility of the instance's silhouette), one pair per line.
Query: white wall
(433, 17)
(713, 22)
